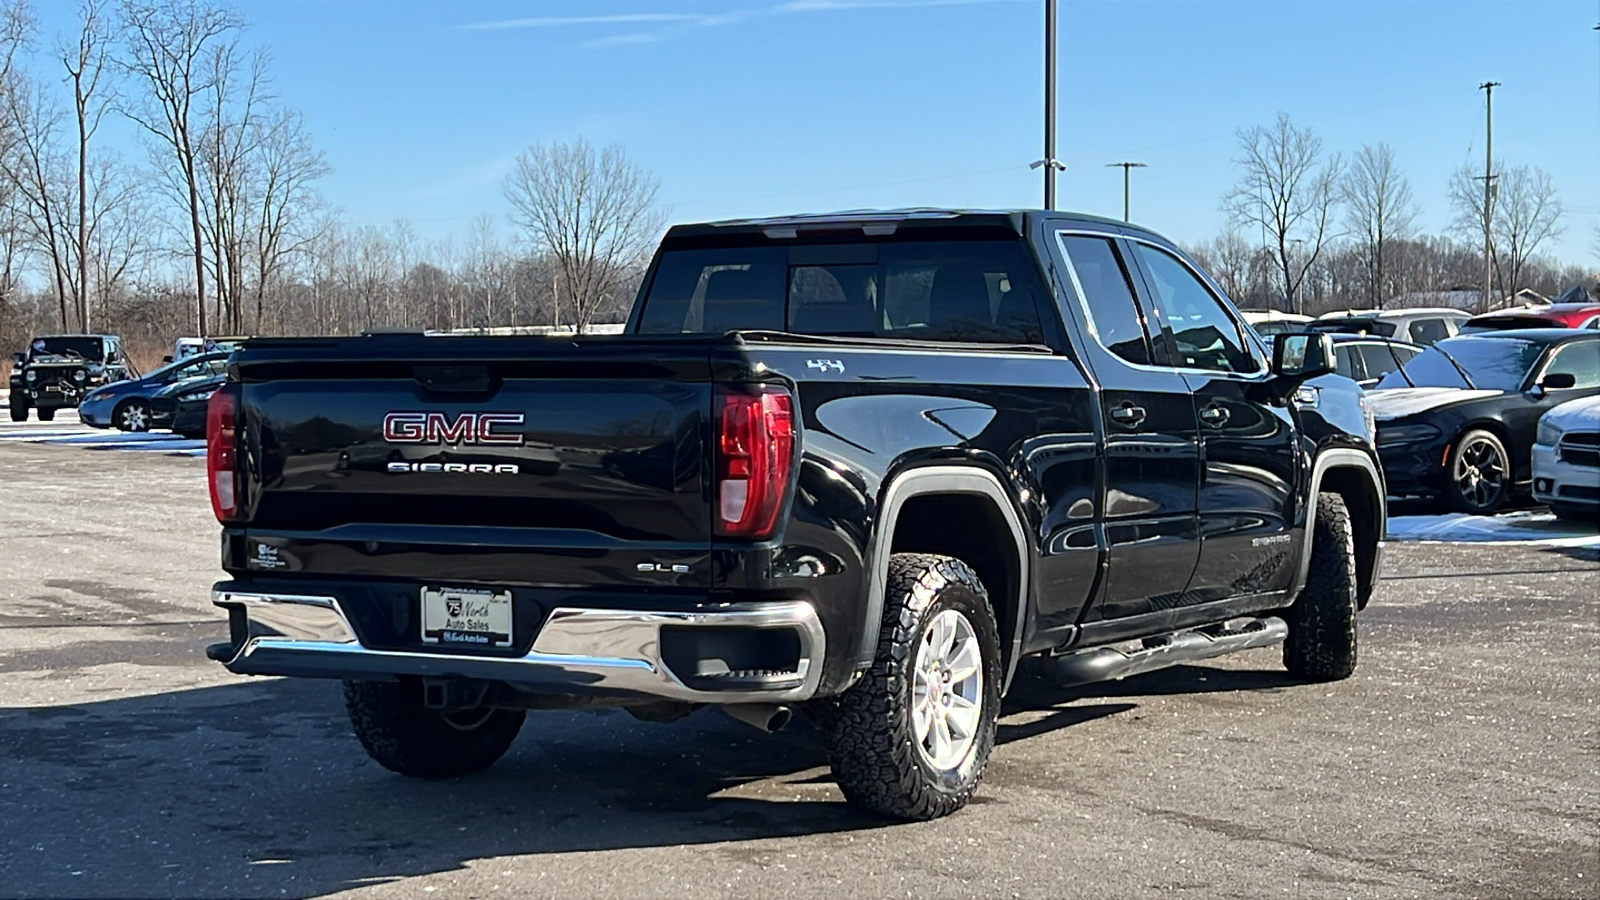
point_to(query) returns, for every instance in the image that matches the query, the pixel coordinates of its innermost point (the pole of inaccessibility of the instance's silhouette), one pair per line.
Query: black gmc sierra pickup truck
(856, 465)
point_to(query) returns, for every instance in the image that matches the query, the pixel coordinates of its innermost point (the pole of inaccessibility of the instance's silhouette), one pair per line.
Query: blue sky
(751, 107)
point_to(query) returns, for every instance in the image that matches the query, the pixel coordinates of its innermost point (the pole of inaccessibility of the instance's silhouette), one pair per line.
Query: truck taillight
(222, 417)
(754, 457)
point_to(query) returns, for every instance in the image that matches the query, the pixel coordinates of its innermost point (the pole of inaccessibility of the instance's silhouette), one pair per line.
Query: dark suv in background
(58, 370)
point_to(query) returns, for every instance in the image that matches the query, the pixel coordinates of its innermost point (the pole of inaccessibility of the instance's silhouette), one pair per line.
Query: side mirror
(1300, 357)
(167, 358)
(19, 358)
(1559, 381)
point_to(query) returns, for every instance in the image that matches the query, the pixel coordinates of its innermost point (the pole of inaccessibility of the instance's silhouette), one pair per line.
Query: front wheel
(133, 415)
(912, 737)
(1478, 474)
(19, 412)
(405, 736)
(1321, 645)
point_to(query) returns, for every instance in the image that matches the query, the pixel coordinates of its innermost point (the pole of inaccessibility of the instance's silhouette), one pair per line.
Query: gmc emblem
(437, 428)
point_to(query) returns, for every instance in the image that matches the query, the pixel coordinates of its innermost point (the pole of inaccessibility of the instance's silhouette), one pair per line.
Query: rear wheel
(405, 736)
(1321, 645)
(47, 413)
(132, 415)
(1478, 474)
(912, 737)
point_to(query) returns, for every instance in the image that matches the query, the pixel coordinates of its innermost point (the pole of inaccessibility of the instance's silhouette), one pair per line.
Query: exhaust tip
(767, 717)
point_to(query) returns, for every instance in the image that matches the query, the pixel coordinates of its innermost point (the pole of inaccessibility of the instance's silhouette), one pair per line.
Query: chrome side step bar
(1110, 663)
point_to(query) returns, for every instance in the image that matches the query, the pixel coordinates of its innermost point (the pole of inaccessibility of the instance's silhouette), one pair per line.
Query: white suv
(1419, 326)
(1566, 460)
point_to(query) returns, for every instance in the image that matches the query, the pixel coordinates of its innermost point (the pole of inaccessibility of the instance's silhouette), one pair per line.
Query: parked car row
(1458, 399)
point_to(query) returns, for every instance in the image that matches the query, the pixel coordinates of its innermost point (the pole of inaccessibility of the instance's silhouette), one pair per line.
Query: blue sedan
(126, 404)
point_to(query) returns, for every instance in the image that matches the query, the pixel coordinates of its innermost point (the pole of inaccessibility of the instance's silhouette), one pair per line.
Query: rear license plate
(469, 617)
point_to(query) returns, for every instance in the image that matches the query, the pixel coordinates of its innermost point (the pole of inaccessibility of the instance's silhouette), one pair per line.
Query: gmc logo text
(437, 428)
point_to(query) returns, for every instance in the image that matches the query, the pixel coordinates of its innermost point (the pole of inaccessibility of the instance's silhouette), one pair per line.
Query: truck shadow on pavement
(258, 788)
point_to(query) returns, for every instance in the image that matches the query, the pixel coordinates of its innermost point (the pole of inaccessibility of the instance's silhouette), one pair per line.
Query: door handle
(1215, 415)
(1127, 414)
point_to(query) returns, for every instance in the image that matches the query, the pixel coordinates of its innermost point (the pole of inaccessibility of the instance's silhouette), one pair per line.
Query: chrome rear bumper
(579, 650)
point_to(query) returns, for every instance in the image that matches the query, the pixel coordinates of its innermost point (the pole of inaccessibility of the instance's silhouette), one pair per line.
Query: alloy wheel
(134, 417)
(1480, 473)
(947, 690)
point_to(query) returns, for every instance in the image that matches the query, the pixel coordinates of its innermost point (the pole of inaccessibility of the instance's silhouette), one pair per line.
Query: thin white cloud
(798, 6)
(562, 21)
(632, 37)
(678, 24)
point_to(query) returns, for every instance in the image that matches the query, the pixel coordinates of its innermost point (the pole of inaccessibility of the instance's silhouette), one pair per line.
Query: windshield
(87, 348)
(1493, 364)
(935, 290)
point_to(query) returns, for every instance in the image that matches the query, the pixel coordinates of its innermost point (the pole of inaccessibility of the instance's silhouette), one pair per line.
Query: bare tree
(286, 201)
(171, 48)
(232, 113)
(16, 28)
(1289, 190)
(34, 172)
(86, 64)
(1228, 258)
(1527, 213)
(592, 212)
(1378, 211)
(1524, 212)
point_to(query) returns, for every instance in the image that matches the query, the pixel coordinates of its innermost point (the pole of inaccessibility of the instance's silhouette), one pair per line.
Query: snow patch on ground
(1517, 527)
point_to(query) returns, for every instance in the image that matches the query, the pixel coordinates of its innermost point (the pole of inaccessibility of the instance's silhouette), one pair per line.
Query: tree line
(1306, 230)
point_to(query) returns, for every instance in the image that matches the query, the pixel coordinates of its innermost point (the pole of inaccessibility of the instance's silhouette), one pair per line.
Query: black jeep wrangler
(856, 466)
(58, 370)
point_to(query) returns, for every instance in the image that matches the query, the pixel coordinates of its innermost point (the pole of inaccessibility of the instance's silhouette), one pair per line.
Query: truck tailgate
(523, 460)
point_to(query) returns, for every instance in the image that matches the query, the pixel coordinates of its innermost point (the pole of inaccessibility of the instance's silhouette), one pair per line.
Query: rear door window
(981, 291)
(1377, 360)
(1344, 361)
(1101, 280)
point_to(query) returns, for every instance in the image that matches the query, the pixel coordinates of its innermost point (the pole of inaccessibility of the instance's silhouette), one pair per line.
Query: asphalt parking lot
(1461, 761)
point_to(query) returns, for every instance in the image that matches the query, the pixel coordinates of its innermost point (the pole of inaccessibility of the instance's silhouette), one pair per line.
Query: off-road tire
(121, 411)
(1321, 645)
(19, 412)
(868, 731)
(1454, 498)
(46, 413)
(405, 736)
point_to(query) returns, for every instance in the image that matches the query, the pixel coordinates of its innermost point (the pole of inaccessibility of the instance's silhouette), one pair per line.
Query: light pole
(1050, 164)
(1126, 166)
(1488, 189)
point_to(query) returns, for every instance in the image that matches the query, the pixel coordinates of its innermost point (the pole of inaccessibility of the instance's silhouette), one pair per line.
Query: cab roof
(882, 222)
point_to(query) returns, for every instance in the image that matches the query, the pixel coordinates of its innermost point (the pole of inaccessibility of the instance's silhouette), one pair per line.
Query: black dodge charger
(1457, 423)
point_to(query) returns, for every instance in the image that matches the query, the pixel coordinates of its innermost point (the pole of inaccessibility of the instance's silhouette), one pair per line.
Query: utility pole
(1488, 190)
(1050, 164)
(1125, 167)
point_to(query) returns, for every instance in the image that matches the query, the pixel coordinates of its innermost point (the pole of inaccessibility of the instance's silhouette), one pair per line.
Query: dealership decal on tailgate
(470, 616)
